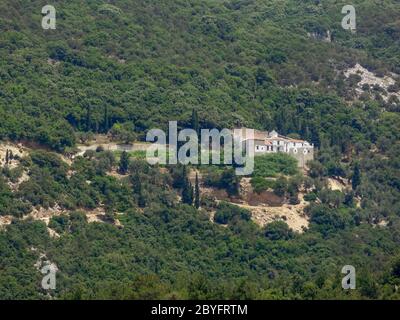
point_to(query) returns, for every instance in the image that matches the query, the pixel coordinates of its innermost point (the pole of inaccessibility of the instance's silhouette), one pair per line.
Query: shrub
(278, 230)
(227, 213)
(261, 184)
(270, 165)
(310, 197)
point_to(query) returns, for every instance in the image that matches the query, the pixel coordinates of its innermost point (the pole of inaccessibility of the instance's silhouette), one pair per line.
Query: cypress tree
(141, 199)
(187, 189)
(137, 189)
(315, 138)
(356, 179)
(187, 193)
(136, 183)
(191, 190)
(123, 163)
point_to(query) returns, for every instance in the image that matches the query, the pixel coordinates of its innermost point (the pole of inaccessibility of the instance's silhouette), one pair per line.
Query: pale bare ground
(45, 215)
(42, 214)
(382, 223)
(339, 184)
(293, 215)
(5, 220)
(98, 214)
(20, 150)
(245, 187)
(263, 214)
(111, 146)
(371, 79)
(16, 149)
(67, 160)
(52, 233)
(15, 185)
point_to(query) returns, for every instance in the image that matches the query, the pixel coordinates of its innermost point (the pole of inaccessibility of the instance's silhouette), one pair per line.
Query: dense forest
(122, 67)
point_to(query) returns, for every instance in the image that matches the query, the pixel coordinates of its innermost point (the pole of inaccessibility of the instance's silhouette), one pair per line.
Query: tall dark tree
(7, 157)
(315, 138)
(197, 193)
(123, 163)
(141, 198)
(138, 190)
(187, 189)
(356, 179)
(187, 193)
(136, 183)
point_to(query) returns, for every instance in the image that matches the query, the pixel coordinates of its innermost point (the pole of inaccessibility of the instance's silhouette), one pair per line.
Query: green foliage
(280, 186)
(222, 178)
(126, 67)
(356, 178)
(278, 230)
(310, 197)
(127, 87)
(271, 165)
(240, 261)
(333, 199)
(122, 132)
(123, 163)
(187, 188)
(229, 181)
(227, 213)
(10, 204)
(328, 220)
(260, 184)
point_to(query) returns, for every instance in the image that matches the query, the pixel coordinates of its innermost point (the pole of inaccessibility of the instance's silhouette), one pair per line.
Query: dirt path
(137, 146)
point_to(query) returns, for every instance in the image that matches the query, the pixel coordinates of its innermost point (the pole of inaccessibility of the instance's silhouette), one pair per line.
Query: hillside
(148, 62)
(123, 231)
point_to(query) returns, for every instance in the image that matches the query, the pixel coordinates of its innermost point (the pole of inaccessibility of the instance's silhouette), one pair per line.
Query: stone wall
(302, 155)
